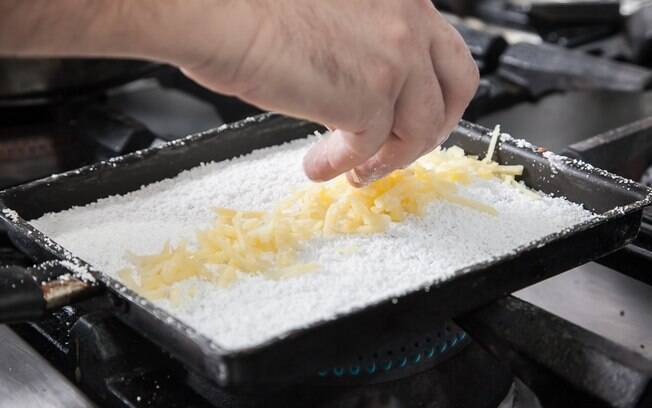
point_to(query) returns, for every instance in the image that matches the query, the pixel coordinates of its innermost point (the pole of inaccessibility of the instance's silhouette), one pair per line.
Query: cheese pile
(266, 242)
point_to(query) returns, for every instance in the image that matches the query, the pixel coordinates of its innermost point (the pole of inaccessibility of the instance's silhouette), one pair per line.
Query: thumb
(340, 151)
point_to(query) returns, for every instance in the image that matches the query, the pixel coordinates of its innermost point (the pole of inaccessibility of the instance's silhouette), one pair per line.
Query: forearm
(153, 29)
(71, 27)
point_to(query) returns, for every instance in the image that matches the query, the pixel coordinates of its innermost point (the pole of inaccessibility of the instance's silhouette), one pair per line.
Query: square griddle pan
(300, 354)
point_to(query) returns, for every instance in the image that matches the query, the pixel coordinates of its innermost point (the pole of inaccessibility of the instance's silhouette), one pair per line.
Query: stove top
(48, 137)
(574, 80)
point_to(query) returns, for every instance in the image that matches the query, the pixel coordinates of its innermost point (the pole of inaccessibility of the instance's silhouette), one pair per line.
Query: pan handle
(29, 293)
(564, 364)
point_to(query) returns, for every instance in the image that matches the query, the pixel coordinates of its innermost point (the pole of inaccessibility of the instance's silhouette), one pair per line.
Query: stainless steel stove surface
(29, 380)
(573, 80)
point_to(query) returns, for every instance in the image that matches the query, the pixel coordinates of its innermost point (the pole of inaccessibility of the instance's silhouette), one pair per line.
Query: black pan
(305, 353)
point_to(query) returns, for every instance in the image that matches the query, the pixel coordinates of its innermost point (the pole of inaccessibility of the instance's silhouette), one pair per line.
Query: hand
(392, 76)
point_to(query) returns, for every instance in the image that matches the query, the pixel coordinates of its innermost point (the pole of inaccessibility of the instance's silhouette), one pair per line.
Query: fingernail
(354, 178)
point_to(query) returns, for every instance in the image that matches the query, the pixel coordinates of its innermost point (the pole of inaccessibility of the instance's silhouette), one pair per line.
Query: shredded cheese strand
(492, 144)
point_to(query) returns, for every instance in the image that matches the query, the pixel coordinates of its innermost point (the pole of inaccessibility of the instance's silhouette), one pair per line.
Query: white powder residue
(79, 271)
(10, 214)
(354, 271)
(520, 143)
(556, 161)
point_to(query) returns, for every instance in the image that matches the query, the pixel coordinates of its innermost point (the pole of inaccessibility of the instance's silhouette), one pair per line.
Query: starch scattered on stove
(214, 244)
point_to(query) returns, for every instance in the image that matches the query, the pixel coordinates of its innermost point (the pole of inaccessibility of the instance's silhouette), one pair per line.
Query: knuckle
(434, 131)
(352, 148)
(438, 117)
(474, 75)
(426, 5)
(383, 77)
(458, 45)
(467, 92)
(399, 34)
(421, 123)
(364, 116)
(460, 51)
(434, 113)
(381, 164)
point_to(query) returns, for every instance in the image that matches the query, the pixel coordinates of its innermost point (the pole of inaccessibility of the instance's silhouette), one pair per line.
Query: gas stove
(570, 76)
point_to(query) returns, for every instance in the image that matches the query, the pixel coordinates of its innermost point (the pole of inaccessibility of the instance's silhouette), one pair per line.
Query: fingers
(429, 107)
(341, 151)
(394, 154)
(418, 123)
(394, 86)
(456, 71)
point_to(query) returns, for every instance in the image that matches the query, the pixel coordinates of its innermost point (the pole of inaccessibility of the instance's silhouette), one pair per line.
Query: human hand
(393, 77)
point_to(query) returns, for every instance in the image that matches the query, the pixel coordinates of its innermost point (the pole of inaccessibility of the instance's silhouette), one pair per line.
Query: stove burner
(115, 365)
(399, 360)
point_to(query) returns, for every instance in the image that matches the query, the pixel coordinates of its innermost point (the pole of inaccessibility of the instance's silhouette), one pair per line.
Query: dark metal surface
(625, 150)
(445, 385)
(485, 47)
(28, 380)
(295, 356)
(43, 140)
(544, 68)
(115, 361)
(638, 31)
(493, 94)
(556, 13)
(40, 140)
(500, 12)
(633, 261)
(614, 47)
(460, 7)
(113, 132)
(20, 295)
(569, 22)
(560, 120)
(534, 342)
(601, 300)
(117, 367)
(25, 81)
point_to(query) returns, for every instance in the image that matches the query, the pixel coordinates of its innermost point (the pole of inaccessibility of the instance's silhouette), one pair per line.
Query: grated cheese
(266, 242)
(492, 143)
